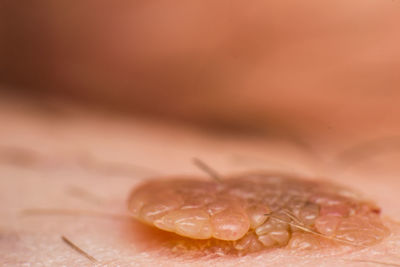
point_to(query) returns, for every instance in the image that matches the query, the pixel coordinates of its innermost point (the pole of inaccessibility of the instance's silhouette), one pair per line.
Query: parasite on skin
(251, 212)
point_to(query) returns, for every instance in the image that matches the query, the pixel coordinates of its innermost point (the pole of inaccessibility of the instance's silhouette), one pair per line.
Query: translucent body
(255, 211)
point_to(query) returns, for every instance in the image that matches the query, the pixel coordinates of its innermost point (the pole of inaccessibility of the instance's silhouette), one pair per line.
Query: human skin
(316, 82)
(307, 67)
(68, 172)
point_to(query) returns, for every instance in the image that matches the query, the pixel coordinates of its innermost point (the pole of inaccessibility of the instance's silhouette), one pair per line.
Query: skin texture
(313, 83)
(257, 210)
(69, 159)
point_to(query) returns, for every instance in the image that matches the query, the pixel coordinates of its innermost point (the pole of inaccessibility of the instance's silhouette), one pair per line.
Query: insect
(253, 211)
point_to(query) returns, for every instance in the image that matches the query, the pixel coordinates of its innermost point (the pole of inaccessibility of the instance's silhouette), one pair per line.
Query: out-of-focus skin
(65, 164)
(317, 67)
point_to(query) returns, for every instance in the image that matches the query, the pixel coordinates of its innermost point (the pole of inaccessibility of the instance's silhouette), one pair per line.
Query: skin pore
(70, 176)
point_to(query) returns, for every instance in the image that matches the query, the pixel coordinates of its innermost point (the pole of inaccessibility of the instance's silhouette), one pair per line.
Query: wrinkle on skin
(36, 239)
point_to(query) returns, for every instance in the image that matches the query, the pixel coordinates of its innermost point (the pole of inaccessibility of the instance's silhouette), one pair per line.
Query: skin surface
(312, 67)
(314, 84)
(257, 210)
(59, 159)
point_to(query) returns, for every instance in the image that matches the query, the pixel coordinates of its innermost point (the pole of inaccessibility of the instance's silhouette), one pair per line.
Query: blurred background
(312, 69)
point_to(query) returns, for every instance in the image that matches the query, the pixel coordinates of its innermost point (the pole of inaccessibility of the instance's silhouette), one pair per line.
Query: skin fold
(69, 172)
